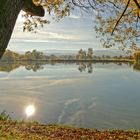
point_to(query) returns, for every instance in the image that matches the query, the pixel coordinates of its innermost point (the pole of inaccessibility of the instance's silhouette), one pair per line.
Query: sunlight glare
(30, 110)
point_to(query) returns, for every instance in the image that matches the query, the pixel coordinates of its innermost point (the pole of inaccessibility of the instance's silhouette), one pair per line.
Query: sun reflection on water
(30, 110)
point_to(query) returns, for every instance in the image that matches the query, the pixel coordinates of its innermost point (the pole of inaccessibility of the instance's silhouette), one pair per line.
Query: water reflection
(136, 66)
(67, 94)
(39, 65)
(83, 67)
(30, 110)
(34, 66)
(8, 67)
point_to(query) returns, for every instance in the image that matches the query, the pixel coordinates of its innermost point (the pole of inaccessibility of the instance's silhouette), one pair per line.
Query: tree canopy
(116, 21)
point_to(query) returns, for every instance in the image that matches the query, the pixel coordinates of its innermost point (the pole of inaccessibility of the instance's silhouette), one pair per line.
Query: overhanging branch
(120, 17)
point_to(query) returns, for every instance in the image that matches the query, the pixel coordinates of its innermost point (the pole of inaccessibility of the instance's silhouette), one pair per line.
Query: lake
(84, 95)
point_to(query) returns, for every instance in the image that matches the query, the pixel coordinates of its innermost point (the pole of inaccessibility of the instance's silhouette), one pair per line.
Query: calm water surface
(93, 96)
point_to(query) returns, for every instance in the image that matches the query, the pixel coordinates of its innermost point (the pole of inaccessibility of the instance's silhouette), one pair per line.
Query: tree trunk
(9, 10)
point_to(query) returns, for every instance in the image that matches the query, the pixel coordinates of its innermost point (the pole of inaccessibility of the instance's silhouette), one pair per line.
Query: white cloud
(74, 16)
(56, 35)
(33, 40)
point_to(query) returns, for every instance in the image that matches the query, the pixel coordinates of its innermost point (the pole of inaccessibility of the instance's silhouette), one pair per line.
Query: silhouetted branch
(120, 17)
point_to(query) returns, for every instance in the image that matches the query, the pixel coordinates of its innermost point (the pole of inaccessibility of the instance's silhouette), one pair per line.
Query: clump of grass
(4, 116)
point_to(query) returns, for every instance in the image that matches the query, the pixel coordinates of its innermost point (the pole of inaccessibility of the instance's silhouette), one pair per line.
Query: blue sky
(68, 35)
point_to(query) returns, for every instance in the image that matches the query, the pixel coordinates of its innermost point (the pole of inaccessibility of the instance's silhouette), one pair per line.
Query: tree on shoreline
(137, 56)
(83, 55)
(90, 54)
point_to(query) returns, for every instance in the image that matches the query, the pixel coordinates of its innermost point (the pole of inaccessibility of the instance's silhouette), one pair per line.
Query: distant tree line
(81, 55)
(29, 55)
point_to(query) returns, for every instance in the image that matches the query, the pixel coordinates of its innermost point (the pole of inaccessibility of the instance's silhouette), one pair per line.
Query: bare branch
(120, 17)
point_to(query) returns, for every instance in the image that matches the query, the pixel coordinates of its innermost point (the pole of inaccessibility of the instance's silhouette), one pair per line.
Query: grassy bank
(13, 130)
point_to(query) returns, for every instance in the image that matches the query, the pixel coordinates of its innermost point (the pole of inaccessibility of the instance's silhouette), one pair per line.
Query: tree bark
(9, 10)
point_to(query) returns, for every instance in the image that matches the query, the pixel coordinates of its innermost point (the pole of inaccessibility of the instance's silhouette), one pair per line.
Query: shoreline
(78, 61)
(15, 130)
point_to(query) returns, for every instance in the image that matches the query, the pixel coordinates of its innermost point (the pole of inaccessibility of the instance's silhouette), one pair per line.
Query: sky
(68, 35)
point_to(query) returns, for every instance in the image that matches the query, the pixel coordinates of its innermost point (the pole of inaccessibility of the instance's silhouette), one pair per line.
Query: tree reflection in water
(136, 66)
(34, 66)
(39, 65)
(88, 66)
(83, 67)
